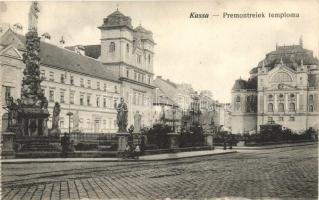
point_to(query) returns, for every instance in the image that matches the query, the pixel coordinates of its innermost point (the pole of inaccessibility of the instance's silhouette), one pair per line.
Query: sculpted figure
(56, 116)
(122, 116)
(33, 16)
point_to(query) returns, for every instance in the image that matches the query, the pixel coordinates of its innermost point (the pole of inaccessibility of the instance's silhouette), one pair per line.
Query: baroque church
(87, 80)
(282, 89)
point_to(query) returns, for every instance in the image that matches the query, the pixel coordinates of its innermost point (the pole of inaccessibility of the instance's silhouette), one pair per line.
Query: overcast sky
(208, 53)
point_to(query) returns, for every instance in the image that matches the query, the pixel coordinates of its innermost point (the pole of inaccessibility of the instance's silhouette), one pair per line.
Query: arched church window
(281, 77)
(311, 108)
(292, 107)
(281, 107)
(112, 47)
(311, 98)
(238, 99)
(270, 107)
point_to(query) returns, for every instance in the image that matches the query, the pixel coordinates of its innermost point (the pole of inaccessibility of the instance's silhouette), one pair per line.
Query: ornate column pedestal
(122, 139)
(8, 145)
(173, 140)
(209, 141)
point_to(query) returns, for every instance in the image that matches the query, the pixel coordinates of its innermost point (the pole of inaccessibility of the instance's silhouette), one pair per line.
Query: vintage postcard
(159, 99)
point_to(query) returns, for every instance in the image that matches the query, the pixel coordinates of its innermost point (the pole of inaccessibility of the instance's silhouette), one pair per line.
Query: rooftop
(290, 55)
(62, 58)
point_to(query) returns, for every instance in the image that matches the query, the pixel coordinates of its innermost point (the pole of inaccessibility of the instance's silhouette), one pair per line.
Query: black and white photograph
(212, 99)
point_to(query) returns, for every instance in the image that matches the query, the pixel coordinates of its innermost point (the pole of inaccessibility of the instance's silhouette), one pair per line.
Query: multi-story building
(129, 53)
(283, 88)
(88, 80)
(80, 84)
(184, 102)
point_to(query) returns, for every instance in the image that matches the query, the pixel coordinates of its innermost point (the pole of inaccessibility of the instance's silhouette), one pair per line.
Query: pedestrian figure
(225, 144)
(142, 144)
(65, 145)
(137, 151)
(230, 143)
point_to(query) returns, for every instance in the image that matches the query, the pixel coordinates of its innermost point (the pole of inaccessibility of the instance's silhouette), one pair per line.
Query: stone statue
(33, 16)
(122, 116)
(56, 116)
(137, 122)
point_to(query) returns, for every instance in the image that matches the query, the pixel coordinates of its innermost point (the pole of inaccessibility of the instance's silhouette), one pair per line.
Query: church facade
(88, 80)
(283, 88)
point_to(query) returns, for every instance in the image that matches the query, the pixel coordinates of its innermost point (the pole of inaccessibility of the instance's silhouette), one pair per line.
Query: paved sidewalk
(157, 157)
(274, 146)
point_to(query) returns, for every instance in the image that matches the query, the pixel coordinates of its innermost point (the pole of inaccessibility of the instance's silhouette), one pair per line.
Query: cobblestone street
(283, 173)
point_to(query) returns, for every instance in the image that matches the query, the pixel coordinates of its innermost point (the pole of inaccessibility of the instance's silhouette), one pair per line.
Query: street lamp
(69, 114)
(174, 112)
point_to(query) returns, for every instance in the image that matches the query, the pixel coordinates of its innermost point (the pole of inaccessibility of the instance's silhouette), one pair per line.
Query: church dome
(142, 33)
(291, 56)
(240, 84)
(117, 19)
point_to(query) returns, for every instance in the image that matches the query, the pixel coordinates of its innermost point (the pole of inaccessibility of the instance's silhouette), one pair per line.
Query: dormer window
(112, 47)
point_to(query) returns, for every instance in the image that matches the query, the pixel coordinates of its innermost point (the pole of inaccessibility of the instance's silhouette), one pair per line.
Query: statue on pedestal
(56, 116)
(55, 119)
(137, 122)
(122, 116)
(33, 16)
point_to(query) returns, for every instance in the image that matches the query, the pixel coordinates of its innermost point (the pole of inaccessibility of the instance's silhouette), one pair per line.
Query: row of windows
(106, 102)
(98, 85)
(292, 107)
(281, 119)
(281, 107)
(281, 96)
(140, 98)
(98, 125)
(112, 48)
(141, 77)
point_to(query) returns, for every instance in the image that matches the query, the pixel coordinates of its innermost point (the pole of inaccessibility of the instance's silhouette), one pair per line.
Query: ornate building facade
(88, 80)
(78, 83)
(128, 52)
(283, 88)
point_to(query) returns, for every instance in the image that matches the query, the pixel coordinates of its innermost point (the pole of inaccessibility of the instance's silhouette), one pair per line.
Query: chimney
(18, 28)
(46, 37)
(62, 42)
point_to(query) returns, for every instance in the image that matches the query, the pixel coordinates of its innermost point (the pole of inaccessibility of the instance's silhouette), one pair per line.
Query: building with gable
(283, 88)
(128, 52)
(87, 80)
(78, 83)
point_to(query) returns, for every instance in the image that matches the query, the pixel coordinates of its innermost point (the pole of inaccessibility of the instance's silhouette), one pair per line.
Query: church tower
(125, 45)
(128, 52)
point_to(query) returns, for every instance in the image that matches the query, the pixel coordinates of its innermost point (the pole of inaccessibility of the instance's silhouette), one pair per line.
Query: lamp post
(174, 112)
(69, 114)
